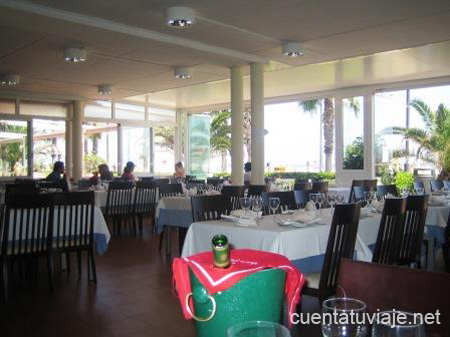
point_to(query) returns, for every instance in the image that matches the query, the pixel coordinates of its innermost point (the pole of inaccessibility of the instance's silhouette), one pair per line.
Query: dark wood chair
(60, 185)
(446, 246)
(214, 181)
(200, 185)
(301, 197)
(170, 190)
(383, 190)
(320, 187)
(383, 287)
(436, 185)
(27, 232)
(209, 207)
(302, 186)
(74, 229)
(358, 194)
(341, 245)
(256, 190)
(233, 194)
(144, 202)
(287, 200)
(162, 181)
(412, 230)
(119, 203)
(390, 232)
(20, 189)
(85, 184)
(147, 179)
(371, 184)
(355, 183)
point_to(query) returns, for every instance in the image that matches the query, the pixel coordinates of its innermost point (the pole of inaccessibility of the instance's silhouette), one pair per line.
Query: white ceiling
(31, 44)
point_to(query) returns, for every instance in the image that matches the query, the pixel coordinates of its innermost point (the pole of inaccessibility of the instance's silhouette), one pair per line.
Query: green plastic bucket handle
(201, 296)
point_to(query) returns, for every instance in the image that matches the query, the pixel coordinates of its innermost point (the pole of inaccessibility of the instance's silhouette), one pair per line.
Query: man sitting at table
(58, 173)
(128, 172)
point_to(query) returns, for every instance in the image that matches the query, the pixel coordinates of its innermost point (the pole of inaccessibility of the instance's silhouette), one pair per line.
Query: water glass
(274, 204)
(320, 201)
(340, 199)
(257, 204)
(368, 197)
(343, 317)
(405, 192)
(246, 203)
(420, 190)
(257, 329)
(397, 324)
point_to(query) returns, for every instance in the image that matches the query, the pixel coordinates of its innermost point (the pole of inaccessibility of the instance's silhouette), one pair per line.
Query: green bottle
(221, 251)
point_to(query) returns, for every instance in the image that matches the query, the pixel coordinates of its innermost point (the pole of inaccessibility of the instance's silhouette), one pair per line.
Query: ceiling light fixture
(75, 55)
(9, 79)
(105, 89)
(183, 72)
(293, 49)
(180, 17)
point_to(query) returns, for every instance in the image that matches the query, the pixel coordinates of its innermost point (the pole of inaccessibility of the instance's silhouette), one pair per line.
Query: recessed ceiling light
(293, 49)
(183, 72)
(75, 55)
(180, 17)
(9, 79)
(105, 89)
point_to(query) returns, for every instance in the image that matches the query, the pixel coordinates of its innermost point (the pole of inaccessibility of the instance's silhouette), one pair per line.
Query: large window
(136, 148)
(353, 119)
(130, 111)
(13, 148)
(49, 145)
(100, 146)
(164, 150)
(98, 109)
(199, 145)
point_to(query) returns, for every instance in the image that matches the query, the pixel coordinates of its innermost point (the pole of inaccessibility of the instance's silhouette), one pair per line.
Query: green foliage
(220, 131)
(386, 174)
(222, 174)
(354, 155)
(404, 180)
(13, 152)
(91, 162)
(327, 176)
(165, 136)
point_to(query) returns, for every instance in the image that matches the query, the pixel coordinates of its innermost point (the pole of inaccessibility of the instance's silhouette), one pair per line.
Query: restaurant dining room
(224, 169)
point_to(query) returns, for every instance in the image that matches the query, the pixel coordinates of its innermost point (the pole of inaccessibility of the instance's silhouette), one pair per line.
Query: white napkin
(437, 200)
(248, 214)
(303, 217)
(246, 221)
(379, 205)
(192, 192)
(274, 188)
(310, 207)
(212, 192)
(366, 211)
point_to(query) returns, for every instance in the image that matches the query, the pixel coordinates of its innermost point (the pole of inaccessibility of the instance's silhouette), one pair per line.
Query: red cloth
(243, 263)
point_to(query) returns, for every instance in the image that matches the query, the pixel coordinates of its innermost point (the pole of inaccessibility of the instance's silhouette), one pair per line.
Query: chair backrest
(256, 190)
(120, 194)
(15, 189)
(390, 231)
(209, 207)
(28, 224)
(197, 183)
(25, 181)
(147, 179)
(144, 197)
(60, 185)
(320, 186)
(233, 193)
(383, 190)
(162, 181)
(436, 185)
(170, 190)
(446, 184)
(214, 181)
(371, 184)
(355, 183)
(287, 200)
(358, 193)
(341, 245)
(419, 184)
(301, 197)
(74, 220)
(382, 287)
(302, 186)
(85, 184)
(412, 229)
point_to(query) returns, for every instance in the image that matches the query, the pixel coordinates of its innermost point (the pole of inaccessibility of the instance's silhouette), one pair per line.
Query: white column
(77, 140)
(257, 102)
(237, 125)
(369, 162)
(69, 160)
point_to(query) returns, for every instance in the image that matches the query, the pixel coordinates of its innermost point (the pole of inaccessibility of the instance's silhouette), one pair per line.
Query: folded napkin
(304, 217)
(378, 205)
(212, 192)
(248, 214)
(241, 221)
(310, 207)
(366, 211)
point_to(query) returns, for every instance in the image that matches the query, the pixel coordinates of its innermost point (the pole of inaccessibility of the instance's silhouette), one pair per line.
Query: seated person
(247, 171)
(105, 173)
(58, 173)
(128, 172)
(179, 174)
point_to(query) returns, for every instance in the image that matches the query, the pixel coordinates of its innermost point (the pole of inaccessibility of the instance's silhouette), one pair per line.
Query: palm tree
(166, 137)
(220, 133)
(433, 140)
(328, 116)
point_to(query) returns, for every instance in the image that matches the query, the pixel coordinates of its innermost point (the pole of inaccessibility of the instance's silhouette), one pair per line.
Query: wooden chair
(358, 194)
(412, 230)
(21, 189)
(147, 179)
(85, 184)
(162, 181)
(170, 190)
(118, 203)
(209, 207)
(382, 287)
(60, 185)
(341, 245)
(446, 246)
(256, 190)
(27, 232)
(233, 194)
(320, 187)
(371, 184)
(74, 229)
(200, 185)
(390, 232)
(287, 200)
(301, 197)
(355, 183)
(436, 185)
(383, 190)
(214, 181)
(302, 186)
(144, 202)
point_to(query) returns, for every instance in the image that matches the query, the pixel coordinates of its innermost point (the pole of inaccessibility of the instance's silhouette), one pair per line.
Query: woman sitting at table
(128, 172)
(179, 174)
(105, 173)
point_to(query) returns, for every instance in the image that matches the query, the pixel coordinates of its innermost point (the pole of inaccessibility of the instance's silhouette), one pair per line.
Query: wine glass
(342, 317)
(368, 197)
(313, 199)
(320, 201)
(257, 205)
(332, 199)
(405, 192)
(397, 324)
(246, 203)
(420, 190)
(274, 204)
(340, 198)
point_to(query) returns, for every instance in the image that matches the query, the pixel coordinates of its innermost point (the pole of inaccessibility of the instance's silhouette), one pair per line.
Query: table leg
(168, 249)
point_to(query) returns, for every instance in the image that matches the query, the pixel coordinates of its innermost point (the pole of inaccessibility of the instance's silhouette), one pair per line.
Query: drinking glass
(313, 199)
(320, 201)
(246, 203)
(420, 190)
(405, 192)
(332, 199)
(368, 197)
(258, 329)
(397, 324)
(257, 204)
(274, 204)
(340, 199)
(343, 317)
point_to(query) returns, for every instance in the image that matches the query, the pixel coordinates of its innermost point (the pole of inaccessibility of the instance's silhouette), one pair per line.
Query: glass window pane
(100, 147)
(43, 109)
(220, 129)
(199, 145)
(100, 109)
(130, 111)
(49, 145)
(164, 150)
(353, 117)
(13, 148)
(136, 148)
(7, 106)
(162, 115)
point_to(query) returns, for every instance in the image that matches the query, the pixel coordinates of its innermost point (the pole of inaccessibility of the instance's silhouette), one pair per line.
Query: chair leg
(161, 239)
(5, 279)
(50, 270)
(68, 263)
(79, 262)
(91, 264)
(181, 237)
(446, 252)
